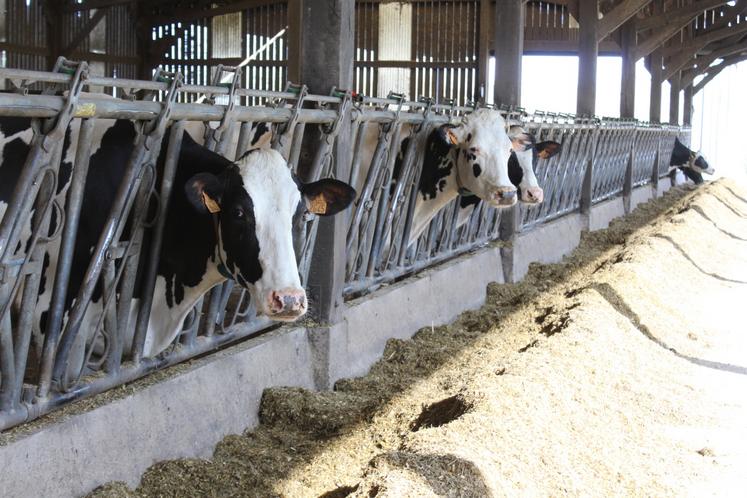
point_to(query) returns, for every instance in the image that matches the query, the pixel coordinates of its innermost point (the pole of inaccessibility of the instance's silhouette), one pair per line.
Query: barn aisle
(621, 371)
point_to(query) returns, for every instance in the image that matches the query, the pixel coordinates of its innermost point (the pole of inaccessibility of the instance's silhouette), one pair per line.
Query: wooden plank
(567, 47)
(483, 53)
(674, 101)
(655, 62)
(716, 31)
(587, 57)
(703, 63)
(186, 15)
(618, 15)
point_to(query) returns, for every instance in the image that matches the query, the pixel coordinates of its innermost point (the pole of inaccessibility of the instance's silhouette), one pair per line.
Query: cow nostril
(277, 302)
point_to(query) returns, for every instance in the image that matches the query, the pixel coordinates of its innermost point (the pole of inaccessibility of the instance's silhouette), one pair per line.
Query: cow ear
(327, 197)
(204, 192)
(447, 134)
(520, 139)
(547, 149)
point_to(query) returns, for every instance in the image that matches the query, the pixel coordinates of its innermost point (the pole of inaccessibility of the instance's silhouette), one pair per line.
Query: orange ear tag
(318, 205)
(210, 204)
(452, 137)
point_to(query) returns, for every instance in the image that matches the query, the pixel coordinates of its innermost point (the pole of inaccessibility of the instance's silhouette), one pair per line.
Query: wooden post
(484, 24)
(327, 61)
(655, 63)
(627, 87)
(674, 100)
(508, 46)
(587, 57)
(587, 86)
(687, 111)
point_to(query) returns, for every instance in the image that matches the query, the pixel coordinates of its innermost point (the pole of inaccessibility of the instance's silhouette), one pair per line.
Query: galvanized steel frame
(621, 153)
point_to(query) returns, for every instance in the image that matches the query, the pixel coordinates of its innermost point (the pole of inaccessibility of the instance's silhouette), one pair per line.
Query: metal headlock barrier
(44, 369)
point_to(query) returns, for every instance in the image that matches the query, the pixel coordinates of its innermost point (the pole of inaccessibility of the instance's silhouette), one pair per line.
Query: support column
(587, 56)
(627, 87)
(687, 111)
(657, 77)
(508, 45)
(674, 100)
(327, 60)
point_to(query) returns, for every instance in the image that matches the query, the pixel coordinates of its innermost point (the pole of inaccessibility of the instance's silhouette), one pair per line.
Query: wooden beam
(566, 47)
(483, 54)
(655, 61)
(682, 15)
(618, 15)
(84, 32)
(668, 29)
(97, 4)
(508, 45)
(721, 26)
(714, 71)
(699, 43)
(704, 62)
(627, 86)
(186, 15)
(687, 108)
(674, 101)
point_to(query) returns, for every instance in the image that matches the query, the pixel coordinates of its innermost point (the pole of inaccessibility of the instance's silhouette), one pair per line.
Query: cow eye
(238, 213)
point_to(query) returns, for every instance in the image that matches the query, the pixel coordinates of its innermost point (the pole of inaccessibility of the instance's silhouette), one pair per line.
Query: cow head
(699, 164)
(526, 153)
(485, 148)
(255, 203)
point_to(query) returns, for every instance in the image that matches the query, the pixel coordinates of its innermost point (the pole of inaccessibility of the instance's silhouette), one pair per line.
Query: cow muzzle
(286, 304)
(532, 195)
(503, 197)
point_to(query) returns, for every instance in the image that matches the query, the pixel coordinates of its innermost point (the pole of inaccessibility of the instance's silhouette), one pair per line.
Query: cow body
(692, 164)
(224, 220)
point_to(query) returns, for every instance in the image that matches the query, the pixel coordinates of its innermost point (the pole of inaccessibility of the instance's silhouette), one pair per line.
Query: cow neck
(461, 189)
(222, 268)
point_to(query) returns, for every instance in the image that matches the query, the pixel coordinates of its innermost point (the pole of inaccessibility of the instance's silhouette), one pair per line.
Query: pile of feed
(622, 370)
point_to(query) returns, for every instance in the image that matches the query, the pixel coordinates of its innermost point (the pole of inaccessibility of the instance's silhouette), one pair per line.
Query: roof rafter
(715, 70)
(672, 22)
(618, 15)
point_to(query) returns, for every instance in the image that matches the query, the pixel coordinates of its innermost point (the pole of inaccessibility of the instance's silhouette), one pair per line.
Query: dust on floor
(621, 371)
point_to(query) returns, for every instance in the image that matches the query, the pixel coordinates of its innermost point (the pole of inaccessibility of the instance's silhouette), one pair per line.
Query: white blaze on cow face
(275, 199)
(482, 158)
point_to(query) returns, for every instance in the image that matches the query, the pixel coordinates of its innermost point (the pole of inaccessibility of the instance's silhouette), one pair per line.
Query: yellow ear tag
(210, 204)
(452, 137)
(318, 205)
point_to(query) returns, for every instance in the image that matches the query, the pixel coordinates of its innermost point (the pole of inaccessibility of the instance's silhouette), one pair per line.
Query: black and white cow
(483, 160)
(225, 220)
(692, 164)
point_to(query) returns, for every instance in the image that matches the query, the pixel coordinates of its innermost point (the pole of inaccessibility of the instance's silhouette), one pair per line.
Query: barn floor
(621, 371)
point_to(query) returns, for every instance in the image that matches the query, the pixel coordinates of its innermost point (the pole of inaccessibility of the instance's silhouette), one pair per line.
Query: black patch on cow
(692, 175)
(515, 173)
(238, 228)
(437, 164)
(469, 137)
(441, 185)
(476, 169)
(246, 154)
(14, 155)
(260, 130)
(468, 200)
(10, 125)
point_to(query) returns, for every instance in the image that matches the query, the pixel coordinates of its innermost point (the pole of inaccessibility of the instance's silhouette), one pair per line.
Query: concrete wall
(601, 214)
(187, 413)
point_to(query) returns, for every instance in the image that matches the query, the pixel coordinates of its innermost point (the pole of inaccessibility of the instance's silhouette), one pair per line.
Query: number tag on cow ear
(452, 137)
(210, 204)
(318, 204)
